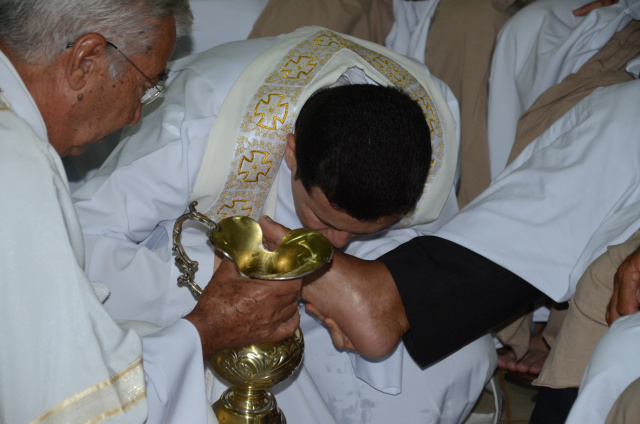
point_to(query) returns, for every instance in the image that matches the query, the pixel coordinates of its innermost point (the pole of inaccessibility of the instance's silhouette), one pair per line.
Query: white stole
(261, 108)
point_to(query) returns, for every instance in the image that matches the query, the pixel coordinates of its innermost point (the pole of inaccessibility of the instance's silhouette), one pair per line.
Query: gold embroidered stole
(262, 106)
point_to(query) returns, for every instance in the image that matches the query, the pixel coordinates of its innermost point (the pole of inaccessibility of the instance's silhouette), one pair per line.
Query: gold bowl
(251, 371)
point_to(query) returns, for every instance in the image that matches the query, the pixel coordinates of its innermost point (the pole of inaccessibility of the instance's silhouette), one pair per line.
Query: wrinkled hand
(626, 289)
(235, 311)
(582, 11)
(361, 302)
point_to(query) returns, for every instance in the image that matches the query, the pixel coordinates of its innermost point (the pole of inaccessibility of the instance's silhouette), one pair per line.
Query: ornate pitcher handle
(188, 267)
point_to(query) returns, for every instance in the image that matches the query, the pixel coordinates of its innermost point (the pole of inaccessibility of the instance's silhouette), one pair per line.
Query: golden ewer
(253, 369)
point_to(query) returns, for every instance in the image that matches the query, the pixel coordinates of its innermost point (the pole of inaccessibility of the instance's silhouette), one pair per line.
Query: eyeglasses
(151, 93)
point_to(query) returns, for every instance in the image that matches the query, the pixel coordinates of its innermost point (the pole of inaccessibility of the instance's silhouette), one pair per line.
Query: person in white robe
(536, 49)
(182, 152)
(63, 358)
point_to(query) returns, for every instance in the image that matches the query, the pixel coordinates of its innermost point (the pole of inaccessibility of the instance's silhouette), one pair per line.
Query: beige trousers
(585, 322)
(626, 410)
(459, 49)
(370, 20)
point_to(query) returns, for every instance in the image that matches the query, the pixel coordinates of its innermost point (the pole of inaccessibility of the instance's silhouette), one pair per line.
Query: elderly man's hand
(626, 289)
(234, 311)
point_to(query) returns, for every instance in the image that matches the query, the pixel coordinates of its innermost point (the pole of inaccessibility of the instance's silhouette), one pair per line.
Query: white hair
(37, 31)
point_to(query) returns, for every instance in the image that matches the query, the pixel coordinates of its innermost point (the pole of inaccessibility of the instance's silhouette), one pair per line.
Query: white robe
(536, 49)
(128, 211)
(614, 365)
(542, 215)
(62, 357)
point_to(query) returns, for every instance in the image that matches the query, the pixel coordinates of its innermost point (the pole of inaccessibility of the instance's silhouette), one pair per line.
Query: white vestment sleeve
(128, 208)
(545, 207)
(612, 367)
(173, 366)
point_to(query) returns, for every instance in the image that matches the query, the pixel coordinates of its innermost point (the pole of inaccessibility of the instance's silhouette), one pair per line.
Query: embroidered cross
(389, 69)
(237, 208)
(271, 111)
(299, 66)
(254, 166)
(326, 40)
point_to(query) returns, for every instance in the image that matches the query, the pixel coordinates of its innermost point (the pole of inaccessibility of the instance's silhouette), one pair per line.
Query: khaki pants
(585, 322)
(626, 410)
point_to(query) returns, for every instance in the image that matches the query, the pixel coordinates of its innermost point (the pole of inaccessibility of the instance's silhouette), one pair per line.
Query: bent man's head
(360, 158)
(87, 63)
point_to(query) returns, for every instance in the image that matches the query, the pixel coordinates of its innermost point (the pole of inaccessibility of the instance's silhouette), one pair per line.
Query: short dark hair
(367, 147)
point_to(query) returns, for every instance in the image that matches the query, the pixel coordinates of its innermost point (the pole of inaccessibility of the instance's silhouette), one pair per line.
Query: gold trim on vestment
(104, 400)
(271, 113)
(4, 102)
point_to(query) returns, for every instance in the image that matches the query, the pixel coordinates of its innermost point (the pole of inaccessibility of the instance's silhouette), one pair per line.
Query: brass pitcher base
(268, 413)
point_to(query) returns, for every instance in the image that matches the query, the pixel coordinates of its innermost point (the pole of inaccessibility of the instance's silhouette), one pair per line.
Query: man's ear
(87, 57)
(290, 151)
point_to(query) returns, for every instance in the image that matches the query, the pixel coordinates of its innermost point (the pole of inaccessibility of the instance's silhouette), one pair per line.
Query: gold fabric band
(104, 400)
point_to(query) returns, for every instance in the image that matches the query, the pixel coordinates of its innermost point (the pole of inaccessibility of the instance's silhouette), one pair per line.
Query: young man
(225, 125)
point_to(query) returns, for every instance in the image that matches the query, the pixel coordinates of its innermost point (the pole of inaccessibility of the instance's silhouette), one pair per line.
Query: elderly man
(73, 71)
(225, 136)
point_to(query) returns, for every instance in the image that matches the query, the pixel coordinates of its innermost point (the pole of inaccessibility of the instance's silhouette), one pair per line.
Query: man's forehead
(340, 220)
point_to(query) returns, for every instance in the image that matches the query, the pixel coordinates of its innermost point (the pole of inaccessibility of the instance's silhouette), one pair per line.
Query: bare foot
(506, 358)
(535, 357)
(532, 361)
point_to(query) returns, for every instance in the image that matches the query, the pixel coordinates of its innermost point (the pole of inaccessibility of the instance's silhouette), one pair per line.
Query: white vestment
(542, 215)
(129, 207)
(536, 49)
(62, 357)
(614, 365)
